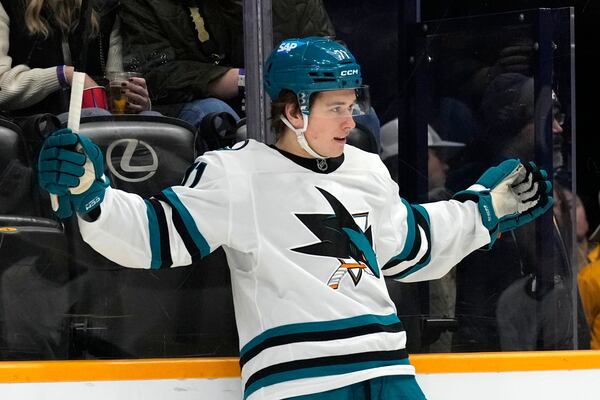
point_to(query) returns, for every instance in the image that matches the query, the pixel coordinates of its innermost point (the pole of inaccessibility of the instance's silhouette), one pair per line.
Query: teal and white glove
(71, 166)
(510, 195)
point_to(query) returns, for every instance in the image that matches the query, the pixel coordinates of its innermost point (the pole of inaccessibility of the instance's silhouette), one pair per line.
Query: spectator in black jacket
(191, 52)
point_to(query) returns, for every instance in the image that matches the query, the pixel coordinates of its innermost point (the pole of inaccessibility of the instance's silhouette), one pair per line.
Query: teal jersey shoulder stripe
(188, 221)
(314, 372)
(154, 234)
(305, 327)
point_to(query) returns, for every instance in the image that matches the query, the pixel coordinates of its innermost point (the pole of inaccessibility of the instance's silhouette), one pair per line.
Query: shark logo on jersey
(342, 238)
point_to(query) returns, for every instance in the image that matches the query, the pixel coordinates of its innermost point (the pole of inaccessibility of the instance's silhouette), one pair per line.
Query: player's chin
(337, 148)
(336, 153)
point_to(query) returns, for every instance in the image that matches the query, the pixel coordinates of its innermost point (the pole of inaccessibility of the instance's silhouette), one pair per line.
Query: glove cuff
(91, 199)
(484, 203)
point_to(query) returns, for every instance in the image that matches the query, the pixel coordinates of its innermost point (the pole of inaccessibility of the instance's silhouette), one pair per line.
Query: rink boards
(573, 375)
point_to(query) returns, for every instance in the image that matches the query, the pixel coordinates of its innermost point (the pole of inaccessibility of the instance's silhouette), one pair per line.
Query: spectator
(498, 310)
(41, 42)
(439, 152)
(588, 281)
(442, 291)
(192, 51)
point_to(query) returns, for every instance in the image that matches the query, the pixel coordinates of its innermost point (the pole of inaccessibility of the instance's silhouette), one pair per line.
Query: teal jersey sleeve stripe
(154, 234)
(320, 371)
(423, 213)
(188, 221)
(412, 269)
(423, 221)
(305, 327)
(411, 234)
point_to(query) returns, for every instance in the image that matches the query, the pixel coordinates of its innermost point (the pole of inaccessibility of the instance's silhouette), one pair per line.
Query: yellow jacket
(588, 281)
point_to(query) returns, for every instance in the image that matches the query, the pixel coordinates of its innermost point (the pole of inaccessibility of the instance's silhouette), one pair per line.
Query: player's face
(330, 122)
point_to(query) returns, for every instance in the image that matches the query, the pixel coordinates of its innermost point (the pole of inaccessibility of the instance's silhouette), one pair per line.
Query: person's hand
(510, 195)
(136, 92)
(517, 58)
(72, 167)
(88, 83)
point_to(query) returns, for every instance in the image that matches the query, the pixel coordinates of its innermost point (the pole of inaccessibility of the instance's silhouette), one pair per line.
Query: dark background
(587, 18)
(372, 31)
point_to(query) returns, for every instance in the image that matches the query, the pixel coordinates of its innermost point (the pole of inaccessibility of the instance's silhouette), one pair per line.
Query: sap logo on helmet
(349, 72)
(287, 46)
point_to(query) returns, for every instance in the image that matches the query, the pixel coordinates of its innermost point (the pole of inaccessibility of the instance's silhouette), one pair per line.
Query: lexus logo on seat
(131, 160)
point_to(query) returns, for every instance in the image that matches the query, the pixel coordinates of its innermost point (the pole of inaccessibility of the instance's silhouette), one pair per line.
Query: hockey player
(310, 227)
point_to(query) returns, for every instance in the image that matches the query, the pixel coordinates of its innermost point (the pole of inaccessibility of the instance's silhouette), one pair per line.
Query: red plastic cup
(95, 97)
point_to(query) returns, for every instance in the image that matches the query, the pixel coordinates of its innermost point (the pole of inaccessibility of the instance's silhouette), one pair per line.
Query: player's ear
(293, 114)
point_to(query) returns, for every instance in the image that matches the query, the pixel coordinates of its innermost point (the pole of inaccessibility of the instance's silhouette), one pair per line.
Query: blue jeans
(194, 111)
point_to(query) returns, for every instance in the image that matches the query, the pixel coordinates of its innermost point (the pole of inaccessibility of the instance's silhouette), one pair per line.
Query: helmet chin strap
(300, 135)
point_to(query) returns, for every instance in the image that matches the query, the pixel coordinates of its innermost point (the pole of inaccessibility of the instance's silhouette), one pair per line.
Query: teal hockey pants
(395, 387)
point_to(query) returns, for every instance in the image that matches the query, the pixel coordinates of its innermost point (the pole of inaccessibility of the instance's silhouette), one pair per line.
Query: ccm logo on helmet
(349, 72)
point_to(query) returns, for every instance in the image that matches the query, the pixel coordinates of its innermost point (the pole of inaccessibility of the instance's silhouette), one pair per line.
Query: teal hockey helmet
(313, 64)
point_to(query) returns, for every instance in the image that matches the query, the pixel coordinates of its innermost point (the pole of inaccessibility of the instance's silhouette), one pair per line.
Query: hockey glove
(71, 166)
(510, 195)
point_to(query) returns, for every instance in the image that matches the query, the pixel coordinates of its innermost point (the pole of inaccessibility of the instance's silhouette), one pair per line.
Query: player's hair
(65, 13)
(278, 109)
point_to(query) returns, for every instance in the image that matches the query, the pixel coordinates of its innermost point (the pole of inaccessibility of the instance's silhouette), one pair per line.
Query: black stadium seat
(15, 172)
(35, 289)
(134, 146)
(124, 312)
(34, 271)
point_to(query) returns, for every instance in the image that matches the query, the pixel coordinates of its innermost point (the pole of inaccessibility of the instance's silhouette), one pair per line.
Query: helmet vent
(317, 74)
(317, 80)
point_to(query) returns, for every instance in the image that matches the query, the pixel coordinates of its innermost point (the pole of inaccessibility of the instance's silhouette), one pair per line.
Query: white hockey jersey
(308, 244)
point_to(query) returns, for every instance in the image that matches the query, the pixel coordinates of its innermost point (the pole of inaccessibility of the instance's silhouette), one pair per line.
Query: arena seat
(34, 274)
(218, 130)
(35, 289)
(123, 312)
(11, 144)
(16, 194)
(134, 146)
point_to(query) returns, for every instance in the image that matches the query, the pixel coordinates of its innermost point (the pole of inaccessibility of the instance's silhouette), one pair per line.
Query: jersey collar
(321, 166)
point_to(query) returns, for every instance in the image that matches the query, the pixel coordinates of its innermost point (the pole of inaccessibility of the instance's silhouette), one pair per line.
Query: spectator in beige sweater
(40, 43)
